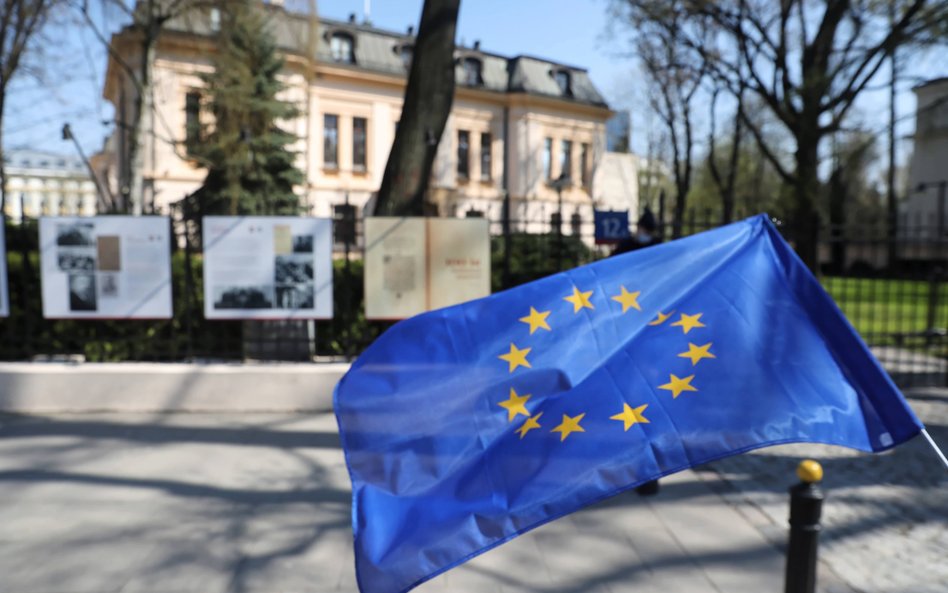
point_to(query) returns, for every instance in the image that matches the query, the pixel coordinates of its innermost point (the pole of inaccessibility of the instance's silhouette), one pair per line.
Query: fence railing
(891, 286)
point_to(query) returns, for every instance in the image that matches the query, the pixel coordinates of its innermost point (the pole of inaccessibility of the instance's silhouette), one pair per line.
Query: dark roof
(932, 82)
(377, 50)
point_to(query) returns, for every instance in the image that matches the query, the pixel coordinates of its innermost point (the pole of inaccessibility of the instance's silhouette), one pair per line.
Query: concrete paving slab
(259, 503)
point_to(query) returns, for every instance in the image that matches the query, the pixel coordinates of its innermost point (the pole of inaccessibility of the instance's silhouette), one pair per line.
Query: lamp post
(558, 184)
(106, 198)
(941, 185)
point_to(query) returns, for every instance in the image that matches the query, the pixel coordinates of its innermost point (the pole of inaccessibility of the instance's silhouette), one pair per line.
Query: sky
(565, 31)
(572, 32)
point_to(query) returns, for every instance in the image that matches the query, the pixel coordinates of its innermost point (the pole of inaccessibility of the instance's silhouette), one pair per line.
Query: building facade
(47, 184)
(517, 124)
(924, 209)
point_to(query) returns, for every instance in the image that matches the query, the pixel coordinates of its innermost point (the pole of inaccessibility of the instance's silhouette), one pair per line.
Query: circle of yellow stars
(516, 357)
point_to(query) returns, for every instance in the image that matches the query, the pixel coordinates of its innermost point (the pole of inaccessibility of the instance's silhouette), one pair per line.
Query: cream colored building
(47, 184)
(534, 118)
(928, 168)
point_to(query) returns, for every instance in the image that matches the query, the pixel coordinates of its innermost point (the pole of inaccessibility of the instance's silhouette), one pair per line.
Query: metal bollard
(806, 505)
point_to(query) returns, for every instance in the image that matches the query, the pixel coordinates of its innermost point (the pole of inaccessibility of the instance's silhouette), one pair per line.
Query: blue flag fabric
(467, 426)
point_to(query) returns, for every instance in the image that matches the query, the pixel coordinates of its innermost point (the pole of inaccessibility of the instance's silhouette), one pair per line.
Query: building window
(548, 158)
(485, 156)
(576, 224)
(359, 126)
(584, 164)
(566, 158)
(331, 141)
(555, 222)
(563, 81)
(405, 52)
(472, 72)
(464, 153)
(192, 120)
(341, 46)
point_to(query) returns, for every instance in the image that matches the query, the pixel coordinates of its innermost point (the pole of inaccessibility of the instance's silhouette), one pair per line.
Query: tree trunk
(425, 112)
(727, 196)
(838, 198)
(3, 165)
(891, 200)
(142, 127)
(805, 190)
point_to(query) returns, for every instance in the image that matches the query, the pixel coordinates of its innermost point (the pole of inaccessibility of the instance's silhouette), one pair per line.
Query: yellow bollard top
(810, 471)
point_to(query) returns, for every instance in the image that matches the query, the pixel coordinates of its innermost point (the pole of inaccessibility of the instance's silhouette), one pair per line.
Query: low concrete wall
(147, 387)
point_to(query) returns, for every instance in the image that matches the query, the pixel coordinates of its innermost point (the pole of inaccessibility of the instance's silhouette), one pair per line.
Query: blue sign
(611, 226)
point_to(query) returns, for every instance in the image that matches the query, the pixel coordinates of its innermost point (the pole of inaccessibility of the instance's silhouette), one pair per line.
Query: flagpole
(935, 447)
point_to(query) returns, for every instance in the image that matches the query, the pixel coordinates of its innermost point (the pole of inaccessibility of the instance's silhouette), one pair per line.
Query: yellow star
(628, 299)
(631, 416)
(662, 318)
(696, 353)
(516, 357)
(529, 424)
(515, 405)
(689, 322)
(676, 385)
(580, 300)
(536, 320)
(569, 425)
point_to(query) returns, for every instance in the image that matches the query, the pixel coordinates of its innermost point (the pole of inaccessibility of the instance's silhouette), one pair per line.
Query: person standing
(646, 234)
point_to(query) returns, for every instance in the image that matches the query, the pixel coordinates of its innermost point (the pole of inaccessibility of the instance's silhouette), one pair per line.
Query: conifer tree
(250, 169)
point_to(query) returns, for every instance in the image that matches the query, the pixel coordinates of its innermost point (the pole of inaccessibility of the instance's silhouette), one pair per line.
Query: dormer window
(341, 46)
(563, 81)
(405, 51)
(472, 72)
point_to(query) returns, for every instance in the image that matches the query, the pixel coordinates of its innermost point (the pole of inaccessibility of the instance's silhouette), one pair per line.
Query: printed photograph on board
(76, 259)
(293, 269)
(109, 286)
(295, 296)
(243, 297)
(82, 295)
(75, 234)
(302, 243)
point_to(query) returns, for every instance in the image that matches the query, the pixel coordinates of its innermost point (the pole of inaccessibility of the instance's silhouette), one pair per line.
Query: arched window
(472, 72)
(342, 47)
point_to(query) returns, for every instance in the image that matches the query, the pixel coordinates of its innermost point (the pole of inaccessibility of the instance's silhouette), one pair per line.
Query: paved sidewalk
(885, 518)
(260, 504)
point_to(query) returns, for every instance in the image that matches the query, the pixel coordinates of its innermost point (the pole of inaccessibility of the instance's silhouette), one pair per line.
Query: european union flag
(470, 425)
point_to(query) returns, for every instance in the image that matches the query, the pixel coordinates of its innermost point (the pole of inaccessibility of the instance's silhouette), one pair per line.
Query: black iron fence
(889, 281)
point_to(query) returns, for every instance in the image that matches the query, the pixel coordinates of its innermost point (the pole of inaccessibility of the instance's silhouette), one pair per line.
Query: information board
(267, 267)
(106, 267)
(4, 293)
(611, 226)
(413, 265)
